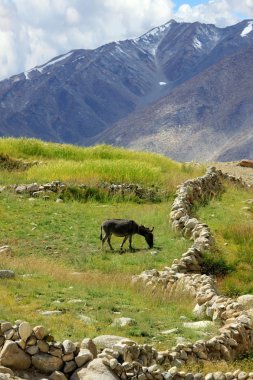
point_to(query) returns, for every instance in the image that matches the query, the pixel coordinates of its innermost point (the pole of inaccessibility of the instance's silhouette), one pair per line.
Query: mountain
(209, 117)
(183, 89)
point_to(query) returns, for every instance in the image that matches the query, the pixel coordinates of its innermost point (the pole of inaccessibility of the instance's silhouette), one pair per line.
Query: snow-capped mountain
(176, 77)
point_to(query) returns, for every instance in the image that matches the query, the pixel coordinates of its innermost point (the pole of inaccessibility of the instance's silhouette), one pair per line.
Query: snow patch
(162, 83)
(247, 30)
(40, 69)
(155, 31)
(56, 60)
(197, 44)
(153, 37)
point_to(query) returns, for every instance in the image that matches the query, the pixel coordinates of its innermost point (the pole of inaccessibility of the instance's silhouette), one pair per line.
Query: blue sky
(58, 26)
(190, 2)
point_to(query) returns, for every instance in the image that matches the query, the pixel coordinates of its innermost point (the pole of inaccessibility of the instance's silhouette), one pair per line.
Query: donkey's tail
(101, 235)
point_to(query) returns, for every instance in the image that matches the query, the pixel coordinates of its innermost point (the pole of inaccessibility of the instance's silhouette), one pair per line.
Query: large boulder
(96, 370)
(246, 163)
(12, 356)
(47, 363)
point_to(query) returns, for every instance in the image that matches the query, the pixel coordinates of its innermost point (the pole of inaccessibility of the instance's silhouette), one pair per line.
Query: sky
(34, 31)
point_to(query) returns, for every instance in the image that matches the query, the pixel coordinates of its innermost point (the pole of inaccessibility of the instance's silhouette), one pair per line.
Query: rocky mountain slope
(183, 89)
(209, 117)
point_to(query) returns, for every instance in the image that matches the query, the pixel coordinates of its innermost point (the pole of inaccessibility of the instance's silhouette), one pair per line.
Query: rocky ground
(234, 169)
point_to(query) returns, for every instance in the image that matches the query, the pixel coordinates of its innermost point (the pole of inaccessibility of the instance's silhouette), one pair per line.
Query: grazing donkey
(125, 228)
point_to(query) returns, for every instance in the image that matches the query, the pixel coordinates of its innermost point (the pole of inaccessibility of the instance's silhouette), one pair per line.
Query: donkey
(124, 228)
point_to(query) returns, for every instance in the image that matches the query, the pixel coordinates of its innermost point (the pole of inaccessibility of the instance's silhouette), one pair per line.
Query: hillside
(207, 118)
(193, 81)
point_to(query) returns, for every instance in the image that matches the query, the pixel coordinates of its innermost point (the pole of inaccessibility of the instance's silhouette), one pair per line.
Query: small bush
(216, 266)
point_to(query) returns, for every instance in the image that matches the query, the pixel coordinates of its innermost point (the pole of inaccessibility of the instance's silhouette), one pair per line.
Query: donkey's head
(148, 235)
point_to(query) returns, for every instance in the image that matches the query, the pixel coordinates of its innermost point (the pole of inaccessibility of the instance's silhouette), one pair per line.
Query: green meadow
(230, 218)
(57, 255)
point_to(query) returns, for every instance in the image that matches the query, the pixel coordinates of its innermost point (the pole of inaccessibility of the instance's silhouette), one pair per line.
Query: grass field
(231, 221)
(56, 247)
(60, 266)
(93, 165)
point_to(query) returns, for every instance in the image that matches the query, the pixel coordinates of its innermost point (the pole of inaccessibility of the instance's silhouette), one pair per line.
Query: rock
(43, 346)
(246, 163)
(69, 366)
(123, 321)
(5, 250)
(24, 331)
(6, 370)
(103, 341)
(32, 187)
(13, 356)
(246, 300)
(7, 273)
(9, 334)
(171, 331)
(68, 346)
(20, 189)
(191, 223)
(48, 313)
(57, 375)
(90, 345)
(5, 326)
(83, 357)
(86, 320)
(242, 376)
(47, 363)
(198, 324)
(199, 311)
(32, 350)
(219, 376)
(96, 370)
(40, 332)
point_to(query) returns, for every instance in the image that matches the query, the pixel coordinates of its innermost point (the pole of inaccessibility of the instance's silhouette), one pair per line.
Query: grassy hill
(92, 165)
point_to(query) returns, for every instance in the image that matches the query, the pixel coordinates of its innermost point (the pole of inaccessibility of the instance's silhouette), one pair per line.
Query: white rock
(123, 321)
(24, 331)
(198, 324)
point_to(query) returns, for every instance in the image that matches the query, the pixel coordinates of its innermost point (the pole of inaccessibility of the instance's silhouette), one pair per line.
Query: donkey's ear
(152, 229)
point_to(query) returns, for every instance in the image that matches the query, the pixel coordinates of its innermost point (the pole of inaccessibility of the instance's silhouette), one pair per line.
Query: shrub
(216, 266)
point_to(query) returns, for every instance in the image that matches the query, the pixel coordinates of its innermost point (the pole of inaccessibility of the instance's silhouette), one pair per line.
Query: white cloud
(34, 31)
(218, 12)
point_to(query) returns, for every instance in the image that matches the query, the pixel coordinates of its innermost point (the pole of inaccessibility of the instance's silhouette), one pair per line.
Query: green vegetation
(60, 266)
(56, 247)
(231, 221)
(93, 165)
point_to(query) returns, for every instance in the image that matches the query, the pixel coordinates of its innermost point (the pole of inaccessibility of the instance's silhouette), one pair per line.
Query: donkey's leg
(106, 238)
(109, 242)
(123, 242)
(130, 242)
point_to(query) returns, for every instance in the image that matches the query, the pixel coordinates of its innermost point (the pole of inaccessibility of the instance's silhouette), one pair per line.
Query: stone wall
(59, 189)
(124, 359)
